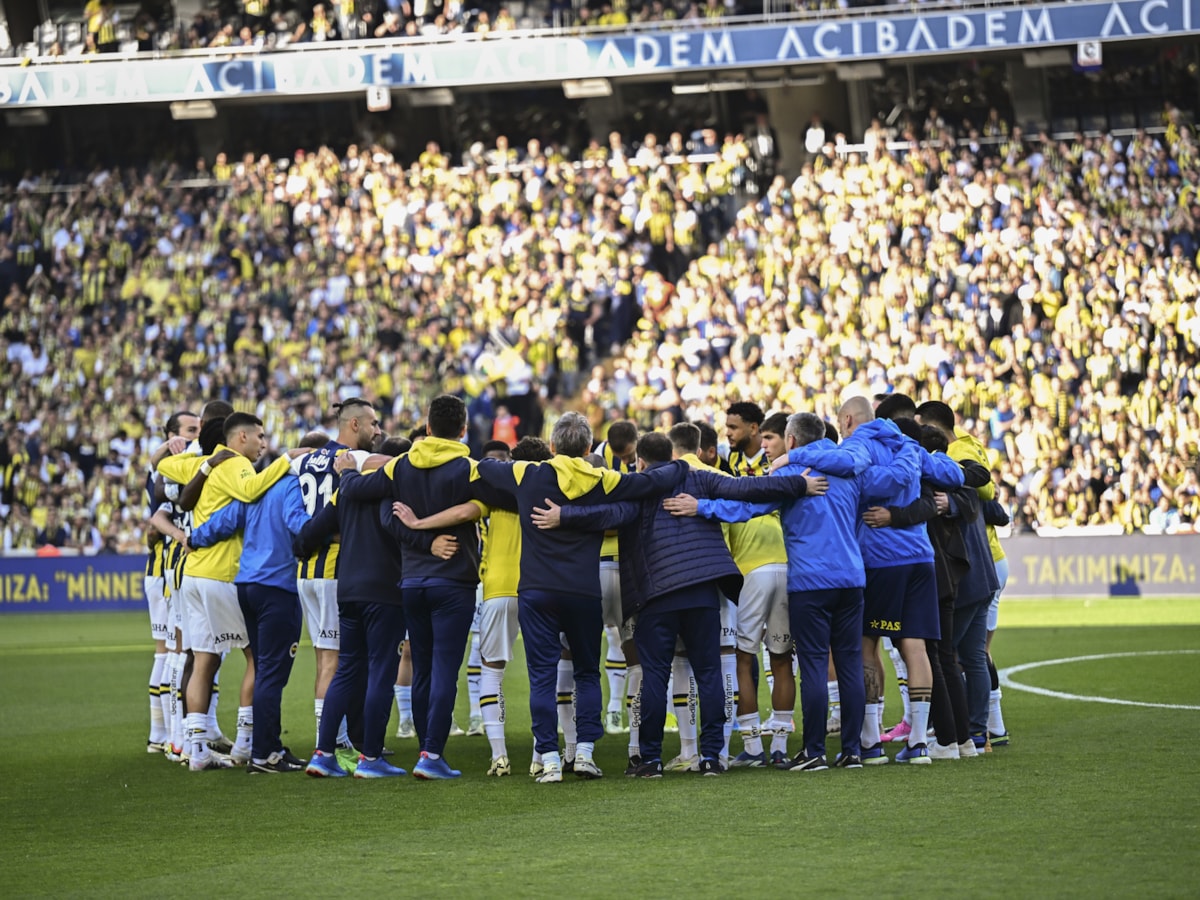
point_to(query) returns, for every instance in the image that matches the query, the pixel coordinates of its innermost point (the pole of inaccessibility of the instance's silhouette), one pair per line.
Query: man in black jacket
(948, 709)
(370, 619)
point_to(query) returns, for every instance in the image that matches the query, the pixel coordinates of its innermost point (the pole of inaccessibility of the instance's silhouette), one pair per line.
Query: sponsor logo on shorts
(885, 624)
(329, 633)
(227, 636)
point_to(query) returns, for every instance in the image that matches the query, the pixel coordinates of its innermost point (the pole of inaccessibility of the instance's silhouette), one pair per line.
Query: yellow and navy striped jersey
(154, 556)
(739, 463)
(318, 483)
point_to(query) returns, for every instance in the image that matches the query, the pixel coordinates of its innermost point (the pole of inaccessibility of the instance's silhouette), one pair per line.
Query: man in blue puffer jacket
(673, 572)
(825, 582)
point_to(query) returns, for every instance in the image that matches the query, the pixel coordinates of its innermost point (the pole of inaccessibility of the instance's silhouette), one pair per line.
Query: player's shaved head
(314, 440)
(854, 412)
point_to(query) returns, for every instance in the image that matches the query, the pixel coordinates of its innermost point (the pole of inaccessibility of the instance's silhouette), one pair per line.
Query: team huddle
(877, 531)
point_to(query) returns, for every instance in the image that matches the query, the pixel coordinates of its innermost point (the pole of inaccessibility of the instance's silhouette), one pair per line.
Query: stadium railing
(69, 35)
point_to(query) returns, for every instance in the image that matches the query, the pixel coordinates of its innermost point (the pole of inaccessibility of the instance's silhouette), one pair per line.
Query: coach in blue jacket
(673, 573)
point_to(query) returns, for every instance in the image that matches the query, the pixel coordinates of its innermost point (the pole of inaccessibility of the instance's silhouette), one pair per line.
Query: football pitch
(1090, 799)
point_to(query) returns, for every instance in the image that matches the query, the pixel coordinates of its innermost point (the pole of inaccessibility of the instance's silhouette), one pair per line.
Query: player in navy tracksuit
(559, 590)
(438, 594)
(673, 574)
(371, 621)
(266, 587)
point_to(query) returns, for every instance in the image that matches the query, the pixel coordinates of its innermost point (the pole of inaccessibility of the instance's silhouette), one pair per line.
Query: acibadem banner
(519, 58)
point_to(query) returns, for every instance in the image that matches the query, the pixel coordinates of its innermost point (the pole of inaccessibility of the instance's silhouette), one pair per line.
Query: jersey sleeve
(732, 510)
(241, 482)
(181, 468)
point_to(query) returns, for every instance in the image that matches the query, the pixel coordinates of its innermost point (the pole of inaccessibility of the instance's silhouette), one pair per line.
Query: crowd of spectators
(1046, 289)
(109, 27)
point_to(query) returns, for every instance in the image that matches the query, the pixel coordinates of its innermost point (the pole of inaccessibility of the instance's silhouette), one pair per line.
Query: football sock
(584, 750)
(880, 713)
(615, 669)
(318, 708)
(870, 729)
(751, 731)
(552, 759)
(474, 665)
(993, 674)
(403, 700)
(780, 725)
(343, 738)
(835, 700)
(245, 729)
(920, 718)
(767, 670)
(491, 707)
(196, 735)
(995, 716)
(684, 701)
(566, 704)
(177, 718)
(901, 678)
(633, 704)
(158, 729)
(729, 682)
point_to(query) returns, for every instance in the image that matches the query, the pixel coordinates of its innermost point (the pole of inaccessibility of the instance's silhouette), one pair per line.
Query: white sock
(584, 750)
(318, 708)
(474, 667)
(166, 699)
(245, 729)
(751, 731)
(995, 716)
(729, 682)
(870, 729)
(403, 694)
(683, 699)
(178, 720)
(781, 726)
(158, 728)
(920, 722)
(196, 742)
(214, 729)
(901, 678)
(879, 719)
(835, 700)
(566, 704)
(491, 707)
(615, 669)
(633, 703)
(767, 671)
(552, 759)
(343, 738)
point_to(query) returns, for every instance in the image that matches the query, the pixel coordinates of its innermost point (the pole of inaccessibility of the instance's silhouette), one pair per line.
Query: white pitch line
(1006, 679)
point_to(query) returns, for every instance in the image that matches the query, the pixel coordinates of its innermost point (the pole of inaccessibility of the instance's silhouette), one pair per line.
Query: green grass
(1089, 800)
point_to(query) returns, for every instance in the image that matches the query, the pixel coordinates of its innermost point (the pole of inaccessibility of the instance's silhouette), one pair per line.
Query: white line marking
(1006, 679)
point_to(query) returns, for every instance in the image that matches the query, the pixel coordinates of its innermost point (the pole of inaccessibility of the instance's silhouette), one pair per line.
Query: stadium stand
(1045, 288)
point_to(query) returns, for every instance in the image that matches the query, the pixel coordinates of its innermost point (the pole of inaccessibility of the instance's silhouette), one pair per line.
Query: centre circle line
(1006, 679)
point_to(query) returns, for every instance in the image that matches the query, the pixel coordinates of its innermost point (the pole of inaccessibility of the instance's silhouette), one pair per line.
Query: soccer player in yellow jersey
(215, 619)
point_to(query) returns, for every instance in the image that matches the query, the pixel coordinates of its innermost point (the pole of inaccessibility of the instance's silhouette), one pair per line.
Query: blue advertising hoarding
(515, 59)
(68, 583)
